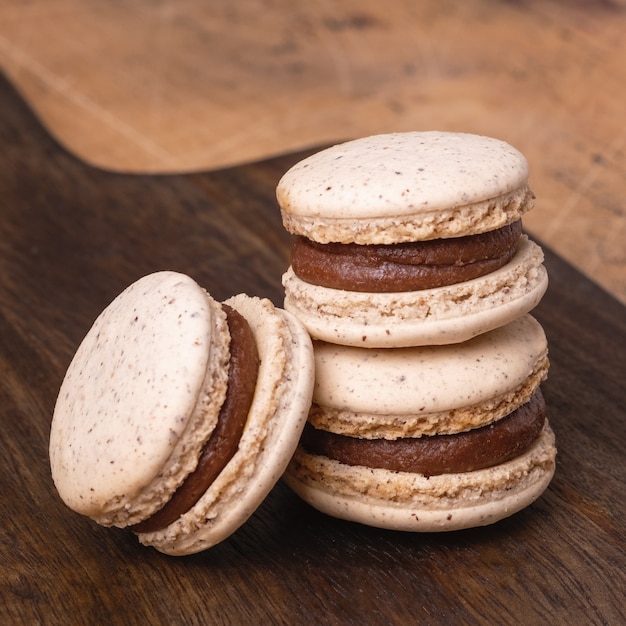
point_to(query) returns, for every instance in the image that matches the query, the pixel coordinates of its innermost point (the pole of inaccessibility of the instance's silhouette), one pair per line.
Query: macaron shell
(433, 378)
(275, 423)
(368, 425)
(413, 502)
(133, 410)
(405, 186)
(443, 315)
(428, 389)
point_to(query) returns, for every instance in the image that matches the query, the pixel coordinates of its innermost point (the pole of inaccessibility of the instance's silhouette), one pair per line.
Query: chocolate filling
(404, 266)
(223, 443)
(475, 449)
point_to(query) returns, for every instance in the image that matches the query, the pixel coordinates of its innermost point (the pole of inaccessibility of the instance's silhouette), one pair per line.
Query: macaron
(178, 413)
(429, 438)
(408, 239)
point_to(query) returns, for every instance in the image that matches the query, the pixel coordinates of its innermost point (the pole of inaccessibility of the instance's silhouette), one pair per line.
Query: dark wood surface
(73, 237)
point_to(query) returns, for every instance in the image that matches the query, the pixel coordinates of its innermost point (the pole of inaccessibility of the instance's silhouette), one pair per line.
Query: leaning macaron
(429, 438)
(178, 414)
(410, 239)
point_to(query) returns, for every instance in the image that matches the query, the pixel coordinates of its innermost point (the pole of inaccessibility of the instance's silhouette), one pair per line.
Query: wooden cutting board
(166, 86)
(74, 237)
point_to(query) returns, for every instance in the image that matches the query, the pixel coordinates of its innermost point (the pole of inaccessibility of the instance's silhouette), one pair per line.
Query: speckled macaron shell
(442, 315)
(411, 392)
(139, 399)
(413, 502)
(410, 186)
(275, 422)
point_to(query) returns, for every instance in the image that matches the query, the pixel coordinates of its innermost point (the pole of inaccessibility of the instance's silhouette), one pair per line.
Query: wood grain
(74, 236)
(163, 86)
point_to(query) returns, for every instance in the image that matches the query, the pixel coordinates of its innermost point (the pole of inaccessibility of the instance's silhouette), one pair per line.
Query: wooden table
(73, 237)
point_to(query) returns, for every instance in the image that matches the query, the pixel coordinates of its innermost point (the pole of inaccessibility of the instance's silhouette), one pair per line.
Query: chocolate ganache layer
(404, 266)
(224, 441)
(474, 449)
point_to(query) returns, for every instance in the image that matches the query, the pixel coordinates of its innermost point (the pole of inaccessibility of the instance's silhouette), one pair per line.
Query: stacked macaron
(411, 272)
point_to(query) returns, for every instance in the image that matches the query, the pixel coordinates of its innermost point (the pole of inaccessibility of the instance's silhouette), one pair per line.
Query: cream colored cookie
(411, 392)
(449, 314)
(143, 395)
(413, 502)
(400, 187)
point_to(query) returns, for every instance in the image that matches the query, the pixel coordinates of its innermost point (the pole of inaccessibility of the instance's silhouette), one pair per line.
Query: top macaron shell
(418, 180)
(428, 379)
(130, 417)
(428, 390)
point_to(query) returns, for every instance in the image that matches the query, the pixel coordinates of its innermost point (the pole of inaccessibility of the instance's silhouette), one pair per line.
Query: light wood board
(163, 86)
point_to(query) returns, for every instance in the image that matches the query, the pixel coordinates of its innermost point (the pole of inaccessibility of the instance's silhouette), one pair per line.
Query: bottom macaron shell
(416, 503)
(275, 422)
(438, 316)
